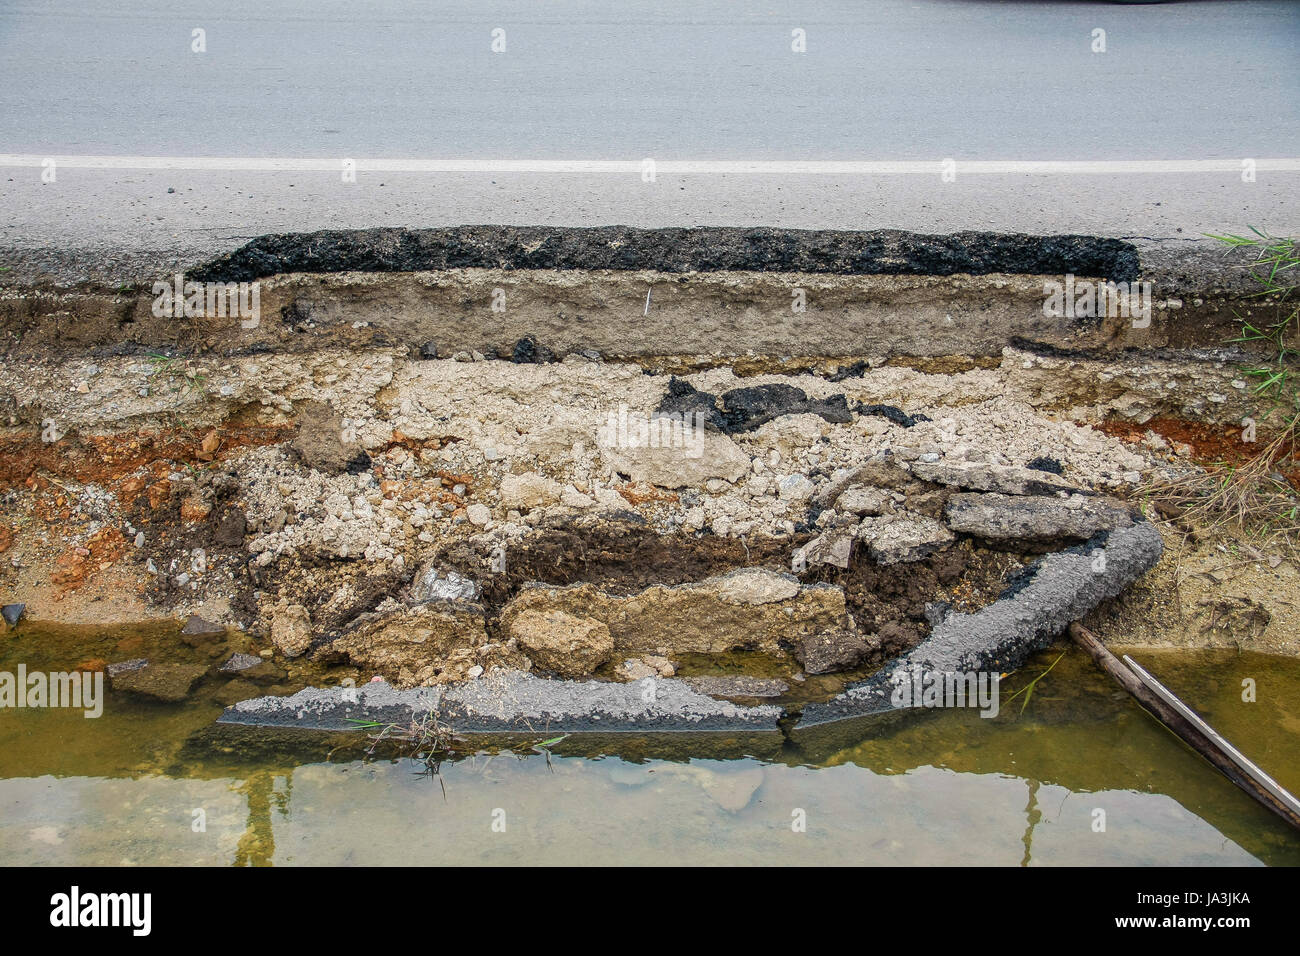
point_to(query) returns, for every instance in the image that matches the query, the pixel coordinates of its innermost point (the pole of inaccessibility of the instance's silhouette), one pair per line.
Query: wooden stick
(1210, 745)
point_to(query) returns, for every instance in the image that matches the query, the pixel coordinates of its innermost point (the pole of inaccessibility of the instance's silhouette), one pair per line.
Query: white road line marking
(679, 167)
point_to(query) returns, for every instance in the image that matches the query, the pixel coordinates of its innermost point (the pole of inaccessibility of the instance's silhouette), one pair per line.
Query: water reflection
(938, 788)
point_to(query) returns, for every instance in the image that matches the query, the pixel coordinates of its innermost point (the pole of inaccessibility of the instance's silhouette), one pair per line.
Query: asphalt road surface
(895, 86)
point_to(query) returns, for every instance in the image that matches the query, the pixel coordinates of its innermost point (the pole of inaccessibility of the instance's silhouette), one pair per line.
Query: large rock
(903, 536)
(430, 643)
(1035, 520)
(165, 682)
(571, 646)
(830, 651)
(291, 629)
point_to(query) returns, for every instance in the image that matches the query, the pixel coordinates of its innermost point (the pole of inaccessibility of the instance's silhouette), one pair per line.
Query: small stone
(429, 350)
(139, 539)
(435, 585)
(796, 488)
(634, 670)
(196, 626)
(527, 350)
(12, 613)
(240, 662)
(475, 671)
(662, 665)
(478, 515)
(123, 667)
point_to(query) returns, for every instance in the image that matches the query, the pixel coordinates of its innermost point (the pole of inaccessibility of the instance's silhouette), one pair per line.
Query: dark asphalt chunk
(893, 413)
(744, 409)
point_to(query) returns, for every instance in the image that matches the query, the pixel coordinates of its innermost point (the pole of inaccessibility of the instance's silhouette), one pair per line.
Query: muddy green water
(155, 783)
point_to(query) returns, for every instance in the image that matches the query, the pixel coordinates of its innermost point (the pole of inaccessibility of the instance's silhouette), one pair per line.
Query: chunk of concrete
(978, 476)
(753, 586)
(865, 500)
(436, 584)
(688, 462)
(831, 547)
(903, 536)
(1034, 519)
(515, 702)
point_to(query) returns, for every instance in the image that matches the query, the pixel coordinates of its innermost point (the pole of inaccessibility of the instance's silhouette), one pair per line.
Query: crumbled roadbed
(339, 503)
(769, 526)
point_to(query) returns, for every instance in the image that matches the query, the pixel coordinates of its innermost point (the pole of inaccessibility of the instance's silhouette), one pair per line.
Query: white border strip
(678, 167)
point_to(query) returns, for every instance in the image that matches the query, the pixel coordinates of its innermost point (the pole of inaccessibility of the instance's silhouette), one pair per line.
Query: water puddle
(158, 783)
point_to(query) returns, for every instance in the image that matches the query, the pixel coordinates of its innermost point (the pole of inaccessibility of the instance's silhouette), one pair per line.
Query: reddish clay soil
(1209, 444)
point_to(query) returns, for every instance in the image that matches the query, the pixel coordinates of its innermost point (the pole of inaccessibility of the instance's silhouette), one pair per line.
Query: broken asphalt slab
(1065, 586)
(707, 249)
(506, 702)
